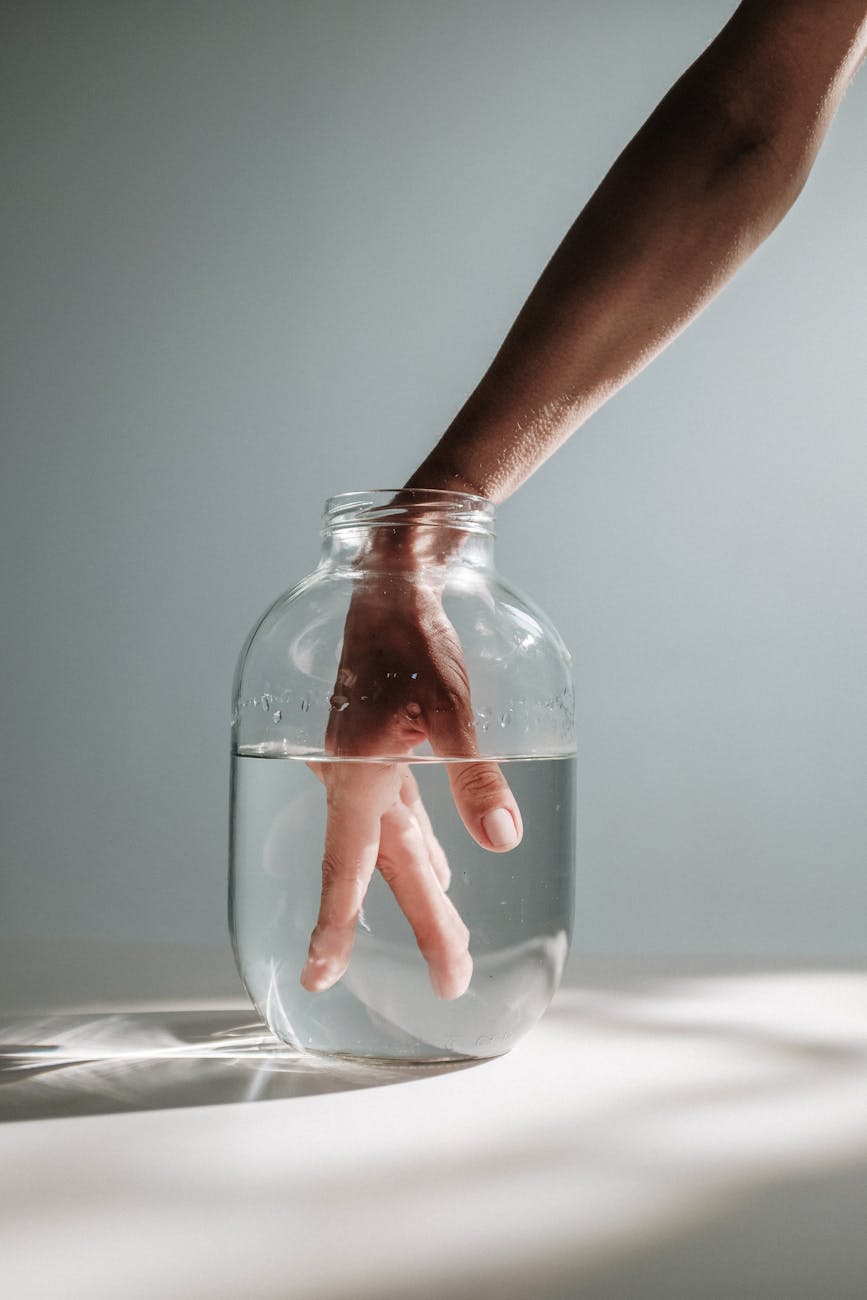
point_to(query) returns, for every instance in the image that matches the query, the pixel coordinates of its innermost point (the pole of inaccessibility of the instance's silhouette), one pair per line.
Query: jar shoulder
(517, 666)
(478, 601)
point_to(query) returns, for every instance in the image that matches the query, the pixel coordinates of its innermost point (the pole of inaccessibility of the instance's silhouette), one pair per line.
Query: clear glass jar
(290, 681)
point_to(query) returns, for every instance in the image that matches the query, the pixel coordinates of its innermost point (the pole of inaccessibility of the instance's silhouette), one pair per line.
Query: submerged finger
(357, 797)
(482, 795)
(486, 804)
(411, 797)
(442, 937)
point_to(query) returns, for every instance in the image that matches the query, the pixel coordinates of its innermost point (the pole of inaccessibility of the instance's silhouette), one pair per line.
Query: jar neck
(407, 530)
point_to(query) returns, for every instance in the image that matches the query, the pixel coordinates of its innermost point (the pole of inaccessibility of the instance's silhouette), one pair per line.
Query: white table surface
(670, 1129)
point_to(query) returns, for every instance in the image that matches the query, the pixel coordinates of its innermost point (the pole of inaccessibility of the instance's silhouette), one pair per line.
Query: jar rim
(409, 507)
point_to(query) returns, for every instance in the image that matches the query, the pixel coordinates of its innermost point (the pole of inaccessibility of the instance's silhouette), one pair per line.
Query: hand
(402, 679)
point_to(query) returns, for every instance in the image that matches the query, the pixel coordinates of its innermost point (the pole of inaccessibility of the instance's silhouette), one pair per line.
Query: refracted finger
(442, 937)
(410, 795)
(358, 794)
(481, 793)
(486, 804)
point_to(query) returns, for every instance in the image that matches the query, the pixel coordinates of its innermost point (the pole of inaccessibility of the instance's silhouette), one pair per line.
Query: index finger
(357, 795)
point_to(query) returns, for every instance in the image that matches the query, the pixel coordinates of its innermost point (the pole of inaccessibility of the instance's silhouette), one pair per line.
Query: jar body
(517, 905)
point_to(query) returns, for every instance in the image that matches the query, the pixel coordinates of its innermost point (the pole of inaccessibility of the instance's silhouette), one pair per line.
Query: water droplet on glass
(505, 718)
(266, 703)
(305, 704)
(278, 715)
(339, 703)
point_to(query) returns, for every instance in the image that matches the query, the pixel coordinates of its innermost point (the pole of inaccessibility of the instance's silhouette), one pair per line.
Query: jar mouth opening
(409, 507)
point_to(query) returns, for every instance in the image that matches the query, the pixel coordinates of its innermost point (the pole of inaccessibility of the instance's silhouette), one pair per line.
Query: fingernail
(319, 974)
(500, 828)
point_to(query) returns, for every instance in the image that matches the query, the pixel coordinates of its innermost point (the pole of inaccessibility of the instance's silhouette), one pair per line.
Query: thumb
(487, 806)
(481, 793)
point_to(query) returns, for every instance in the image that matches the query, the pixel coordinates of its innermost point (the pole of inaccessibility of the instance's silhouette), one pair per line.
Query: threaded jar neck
(409, 507)
(412, 526)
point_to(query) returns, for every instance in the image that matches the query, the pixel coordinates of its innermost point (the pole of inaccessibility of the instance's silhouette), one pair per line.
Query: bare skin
(706, 179)
(401, 680)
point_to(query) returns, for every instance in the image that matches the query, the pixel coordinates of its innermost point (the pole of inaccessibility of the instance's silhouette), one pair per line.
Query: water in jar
(517, 906)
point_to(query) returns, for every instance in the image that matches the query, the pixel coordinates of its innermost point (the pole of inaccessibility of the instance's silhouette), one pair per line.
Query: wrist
(423, 530)
(445, 470)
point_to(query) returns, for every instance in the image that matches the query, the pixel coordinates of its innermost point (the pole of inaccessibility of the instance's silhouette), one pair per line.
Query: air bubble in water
(505, 718)
(277, 715)
(266, 703)
(339, 703)
(305, 704)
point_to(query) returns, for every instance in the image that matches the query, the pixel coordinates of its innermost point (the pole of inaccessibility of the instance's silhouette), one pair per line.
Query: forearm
(705, 180)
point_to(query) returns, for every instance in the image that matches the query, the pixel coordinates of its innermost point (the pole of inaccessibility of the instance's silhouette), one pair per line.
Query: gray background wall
(254, 254)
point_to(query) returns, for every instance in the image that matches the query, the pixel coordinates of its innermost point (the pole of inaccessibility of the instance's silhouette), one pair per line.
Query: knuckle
(479, 782)
(388, 870)
(452, 693)
(340, 877)
(332, 871)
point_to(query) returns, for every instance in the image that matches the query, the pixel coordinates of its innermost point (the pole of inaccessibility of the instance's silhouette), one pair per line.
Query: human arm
(401, 681)
(705, 180)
